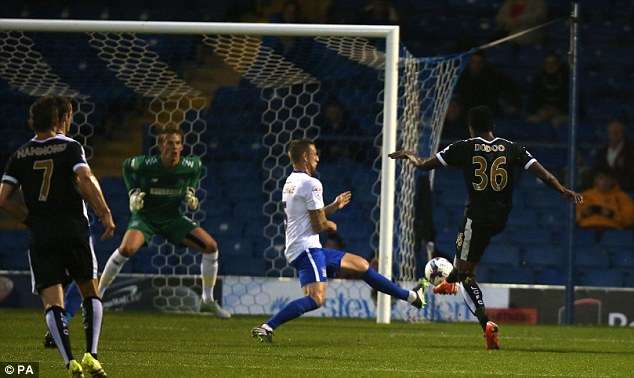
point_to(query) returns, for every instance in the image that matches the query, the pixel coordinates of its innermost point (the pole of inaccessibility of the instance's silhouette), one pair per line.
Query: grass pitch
(171, 345)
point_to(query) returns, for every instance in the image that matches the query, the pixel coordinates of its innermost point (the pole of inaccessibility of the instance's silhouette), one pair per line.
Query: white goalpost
(413, 100)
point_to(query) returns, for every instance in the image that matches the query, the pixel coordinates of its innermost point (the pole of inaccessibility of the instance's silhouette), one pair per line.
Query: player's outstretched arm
(91, 191)
(15, 209)
(319, 223)
(547, 177)
(425, 164)
(341, 201)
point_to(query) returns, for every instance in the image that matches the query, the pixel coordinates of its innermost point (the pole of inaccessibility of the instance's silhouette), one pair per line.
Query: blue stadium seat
(622, 258)
(527, 235)
(543, 255)
(483, 274)
(591, 257)
(585, 237)
(501, 254)
(618, 238)
(628, 278)
(522, 218)
(512, 275)
(599, 277)
(550, 277)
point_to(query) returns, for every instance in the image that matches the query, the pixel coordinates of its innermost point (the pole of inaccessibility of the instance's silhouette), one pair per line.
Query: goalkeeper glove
(136, 200)
(190, 198)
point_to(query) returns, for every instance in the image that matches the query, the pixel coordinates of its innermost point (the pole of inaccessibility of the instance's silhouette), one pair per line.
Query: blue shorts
(317, 265)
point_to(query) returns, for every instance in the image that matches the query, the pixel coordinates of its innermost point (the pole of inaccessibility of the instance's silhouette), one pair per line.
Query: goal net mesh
(239, 100)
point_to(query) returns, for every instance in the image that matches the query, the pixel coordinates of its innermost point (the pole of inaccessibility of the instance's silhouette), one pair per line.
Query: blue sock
(382, 284)
(292, 311)
(72, 301)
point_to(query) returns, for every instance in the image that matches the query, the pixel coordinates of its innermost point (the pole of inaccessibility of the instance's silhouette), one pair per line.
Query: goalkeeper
(157, 186)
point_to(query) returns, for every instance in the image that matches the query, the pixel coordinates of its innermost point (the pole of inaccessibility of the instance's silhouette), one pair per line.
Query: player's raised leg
(93, 316)
(132, 241)
(198, 239)
(360, 266)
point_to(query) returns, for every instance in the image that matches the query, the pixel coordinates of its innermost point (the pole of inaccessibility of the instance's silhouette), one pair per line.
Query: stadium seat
(618, 238)
(585, 237)
(512, 275)
(628, 278)
(598, 277)
(622, 258)
(522, 218)
(483, 274)
(534, 234)
(543, 255)
(591, 257)
(550, 277)
(501, 254)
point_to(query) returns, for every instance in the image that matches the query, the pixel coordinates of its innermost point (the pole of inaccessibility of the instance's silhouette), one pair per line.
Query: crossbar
(169, 27)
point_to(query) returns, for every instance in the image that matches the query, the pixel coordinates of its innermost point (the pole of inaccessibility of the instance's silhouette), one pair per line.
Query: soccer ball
(437, 269)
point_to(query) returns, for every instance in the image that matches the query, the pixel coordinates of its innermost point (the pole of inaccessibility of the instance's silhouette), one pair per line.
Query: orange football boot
(446, 288)
(491, 336)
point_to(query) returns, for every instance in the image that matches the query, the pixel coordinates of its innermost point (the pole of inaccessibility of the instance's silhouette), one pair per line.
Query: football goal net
(240, 93)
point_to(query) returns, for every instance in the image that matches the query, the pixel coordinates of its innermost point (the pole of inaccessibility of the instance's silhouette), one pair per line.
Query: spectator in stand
(605, 206)
(483, 84)
(517, 15)
(549, 97)
(455, 127)
(380, 12)
(291, 13)
(617, 157)
(340, 135)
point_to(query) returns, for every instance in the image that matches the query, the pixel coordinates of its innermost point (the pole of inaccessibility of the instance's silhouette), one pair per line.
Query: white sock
(208, 274)
(112, 268)
(412, 297)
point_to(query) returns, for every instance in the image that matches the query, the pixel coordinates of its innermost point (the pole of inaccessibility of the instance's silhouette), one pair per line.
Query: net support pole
(572, 137)
(388, 170)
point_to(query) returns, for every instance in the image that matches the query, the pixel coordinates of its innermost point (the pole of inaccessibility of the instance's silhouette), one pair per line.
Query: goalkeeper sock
(110, 271)
(208, 273)
(382, 284)
(93, 315)
(475, 300)
(292, 310)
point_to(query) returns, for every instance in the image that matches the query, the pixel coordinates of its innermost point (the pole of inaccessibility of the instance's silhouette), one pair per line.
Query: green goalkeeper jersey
(164, 188)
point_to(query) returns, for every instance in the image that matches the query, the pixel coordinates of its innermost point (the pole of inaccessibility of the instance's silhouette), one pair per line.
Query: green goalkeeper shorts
(173, 229)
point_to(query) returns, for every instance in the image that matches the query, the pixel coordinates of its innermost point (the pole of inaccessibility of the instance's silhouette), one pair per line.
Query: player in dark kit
(53, 175)
(490, 166)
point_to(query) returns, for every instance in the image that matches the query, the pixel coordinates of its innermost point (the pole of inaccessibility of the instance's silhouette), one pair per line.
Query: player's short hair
(297, 147)
(163, 134)
(64, 106)
(43, 113)
(481, 119)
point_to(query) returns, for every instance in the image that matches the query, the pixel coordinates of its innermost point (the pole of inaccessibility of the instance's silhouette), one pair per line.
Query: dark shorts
(473, 239)
(317, 265)
(175, 230)
(60, 251)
